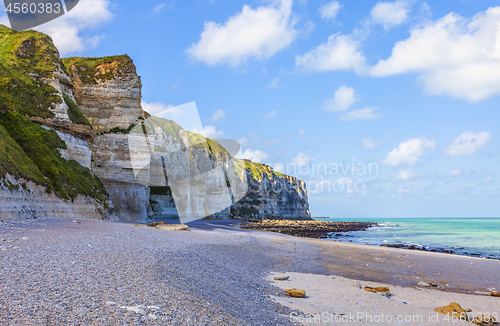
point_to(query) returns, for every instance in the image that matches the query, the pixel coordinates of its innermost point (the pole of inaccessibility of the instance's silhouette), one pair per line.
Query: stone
(155, 224)
(173, 227)
(453, 310)
(485, 320)
(495, 294)
(378, 289)
(137, 309)
(154, 307)
(281, 278)
(423, 284)
(296, 293)
(434, 285)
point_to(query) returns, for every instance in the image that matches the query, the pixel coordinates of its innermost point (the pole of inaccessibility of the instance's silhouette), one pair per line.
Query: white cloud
(342, 99)
(4, 20)
(467, 143)
(455, 172)
(456, 56)
(272, 114)
(406, 175)
(274, 83)
(408, 152)
(66, 31)
(300, 160)
(159, 7)
(158, 107)
(330, 10)
(302, 132)
(209, 131)
(243, 141)
(368, 143)
(360, 114)
(390, 14)
(340, 52)
(488, 179)
(279, 167)
(253, 33)
(253, 155)
(218, 116)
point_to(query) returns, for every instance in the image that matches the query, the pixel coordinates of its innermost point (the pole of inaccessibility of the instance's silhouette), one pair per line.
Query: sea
(478, 237)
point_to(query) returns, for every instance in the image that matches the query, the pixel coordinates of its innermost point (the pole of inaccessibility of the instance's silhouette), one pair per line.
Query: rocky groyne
(308, 229)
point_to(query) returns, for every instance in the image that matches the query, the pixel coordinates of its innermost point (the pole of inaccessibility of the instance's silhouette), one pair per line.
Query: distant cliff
(66, 133)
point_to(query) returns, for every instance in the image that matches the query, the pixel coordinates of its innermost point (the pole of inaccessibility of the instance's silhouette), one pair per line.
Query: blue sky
(409, 87)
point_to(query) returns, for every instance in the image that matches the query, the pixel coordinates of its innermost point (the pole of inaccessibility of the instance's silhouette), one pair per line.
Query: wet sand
(405, 267)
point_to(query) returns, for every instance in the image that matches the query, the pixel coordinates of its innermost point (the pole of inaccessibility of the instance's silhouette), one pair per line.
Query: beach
(69, 272)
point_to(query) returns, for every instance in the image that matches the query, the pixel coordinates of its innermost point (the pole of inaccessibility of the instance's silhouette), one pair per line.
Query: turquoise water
(465, 236)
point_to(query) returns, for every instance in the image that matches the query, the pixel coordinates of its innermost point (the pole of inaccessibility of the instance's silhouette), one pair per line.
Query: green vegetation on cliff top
(172, 129)
(257, 169)
(26, 58)
(28, 150)
(91, 70)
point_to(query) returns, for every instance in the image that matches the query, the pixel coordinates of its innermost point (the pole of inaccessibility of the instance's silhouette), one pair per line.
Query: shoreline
(336, 231)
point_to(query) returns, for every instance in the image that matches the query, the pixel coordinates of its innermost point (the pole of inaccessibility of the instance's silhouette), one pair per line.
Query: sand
(340, 300)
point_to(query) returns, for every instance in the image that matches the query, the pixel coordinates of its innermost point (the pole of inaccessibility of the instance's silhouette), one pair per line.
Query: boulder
(453, 310)
(485, 320)
(378, 289)
(281, 278)
(495, 294)
(173, 227)
(296, 293)
(155, 224)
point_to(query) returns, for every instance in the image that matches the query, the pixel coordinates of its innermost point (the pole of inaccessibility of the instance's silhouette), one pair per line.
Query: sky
(385, 109)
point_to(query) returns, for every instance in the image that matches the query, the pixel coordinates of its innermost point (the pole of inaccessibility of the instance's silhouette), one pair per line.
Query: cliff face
(43, 166)
(76, 136)
(22, 199)
(108, 92)
(273, 195)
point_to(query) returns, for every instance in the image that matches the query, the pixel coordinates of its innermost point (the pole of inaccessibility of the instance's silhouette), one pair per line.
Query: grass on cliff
(257, 170)
(34, 155)
(92, 70)
(169, 127)
(74, 112)
(15, 161)
(25, 58)
(196, 141)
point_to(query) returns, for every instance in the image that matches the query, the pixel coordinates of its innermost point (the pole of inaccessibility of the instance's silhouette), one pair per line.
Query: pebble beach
(81, 272)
